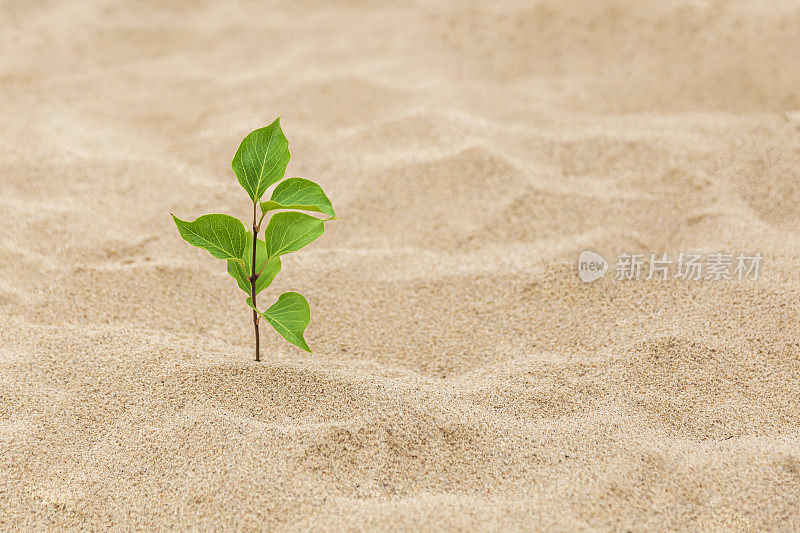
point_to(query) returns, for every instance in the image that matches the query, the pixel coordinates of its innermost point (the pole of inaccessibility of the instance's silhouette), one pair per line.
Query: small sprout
(259, 163)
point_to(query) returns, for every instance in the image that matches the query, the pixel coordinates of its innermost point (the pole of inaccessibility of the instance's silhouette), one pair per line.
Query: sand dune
(464, 377)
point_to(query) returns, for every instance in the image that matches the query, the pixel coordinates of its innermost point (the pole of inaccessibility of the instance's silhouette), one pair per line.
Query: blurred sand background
(464, 377)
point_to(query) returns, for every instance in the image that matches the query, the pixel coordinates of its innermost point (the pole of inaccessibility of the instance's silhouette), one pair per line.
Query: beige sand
(464, 377)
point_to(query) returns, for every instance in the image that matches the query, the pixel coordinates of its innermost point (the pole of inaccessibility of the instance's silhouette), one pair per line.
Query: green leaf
(299, 193)
(261, 159)
(241, 273)
(290, 231)
(223, 236)
(290, 316)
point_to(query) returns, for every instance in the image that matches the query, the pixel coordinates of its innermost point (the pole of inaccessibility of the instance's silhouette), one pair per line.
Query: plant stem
(253, 278)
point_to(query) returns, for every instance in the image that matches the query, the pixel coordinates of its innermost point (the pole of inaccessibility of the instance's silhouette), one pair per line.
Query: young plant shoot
(259, 163)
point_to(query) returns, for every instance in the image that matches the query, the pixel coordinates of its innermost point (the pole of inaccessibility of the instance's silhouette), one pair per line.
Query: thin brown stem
(253, 278)
(258, 338)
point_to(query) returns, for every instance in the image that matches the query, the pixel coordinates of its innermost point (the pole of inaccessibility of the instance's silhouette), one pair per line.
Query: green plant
(259, 163)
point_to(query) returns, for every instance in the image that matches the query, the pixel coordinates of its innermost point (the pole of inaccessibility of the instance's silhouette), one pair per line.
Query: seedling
(259, 163)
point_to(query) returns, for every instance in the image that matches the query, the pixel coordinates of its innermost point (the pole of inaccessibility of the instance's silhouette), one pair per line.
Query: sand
(464, 377)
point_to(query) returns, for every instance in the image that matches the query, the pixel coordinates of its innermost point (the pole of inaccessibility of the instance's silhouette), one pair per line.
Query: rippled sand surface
(464, 377)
